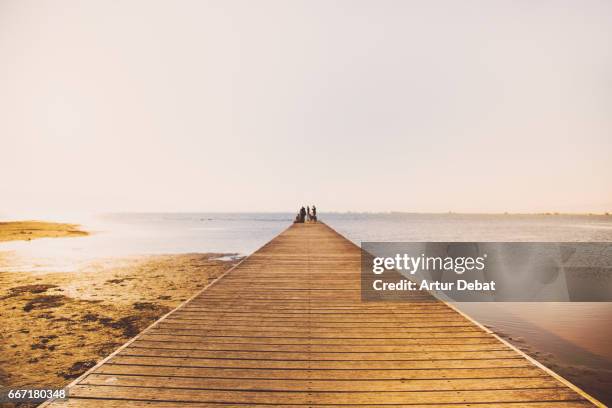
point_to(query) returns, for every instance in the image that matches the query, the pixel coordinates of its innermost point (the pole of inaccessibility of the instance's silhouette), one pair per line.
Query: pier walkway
(286, 327)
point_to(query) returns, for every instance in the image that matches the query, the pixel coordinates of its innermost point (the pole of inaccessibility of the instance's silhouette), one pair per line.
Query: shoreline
(29, 230)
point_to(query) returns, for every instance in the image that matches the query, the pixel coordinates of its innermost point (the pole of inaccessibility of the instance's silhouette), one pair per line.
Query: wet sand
(55, 326)
(27, 230)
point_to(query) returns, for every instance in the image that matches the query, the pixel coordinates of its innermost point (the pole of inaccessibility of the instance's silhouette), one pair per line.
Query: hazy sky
(262, 105)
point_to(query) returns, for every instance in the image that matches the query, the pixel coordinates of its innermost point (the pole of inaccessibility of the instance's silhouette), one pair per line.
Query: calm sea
(574, 336)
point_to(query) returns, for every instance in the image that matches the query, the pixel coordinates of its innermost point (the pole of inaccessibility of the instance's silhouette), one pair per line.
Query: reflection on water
(560, 334)
(118, 235)
(573, 339)
(560, 327)
(150, 233)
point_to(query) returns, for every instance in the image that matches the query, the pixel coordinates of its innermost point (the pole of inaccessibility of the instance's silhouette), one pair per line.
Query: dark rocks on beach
(145, 306)
(106, 349)
(46, 339)
(43, 343)
(90, 317)
(27, 289)
(77, 369)
(128, 324)
(118, 280)
(93, 317)
(45, 302)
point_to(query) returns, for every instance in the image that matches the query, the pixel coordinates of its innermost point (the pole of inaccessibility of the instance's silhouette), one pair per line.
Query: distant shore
(28, 230)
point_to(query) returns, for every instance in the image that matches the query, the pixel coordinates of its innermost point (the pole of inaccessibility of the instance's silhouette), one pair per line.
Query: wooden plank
(316, 365)
(287, 327)
(120, 403)
(317, 348)
(329, 334)
(370, 375)
(277, 325)
(173, 337)
(314, 331)
(480, 338)
(283, 384)
(313, 356)
(310, 397)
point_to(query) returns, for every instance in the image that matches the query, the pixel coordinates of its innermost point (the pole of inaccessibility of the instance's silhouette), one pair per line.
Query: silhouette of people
(306, 214)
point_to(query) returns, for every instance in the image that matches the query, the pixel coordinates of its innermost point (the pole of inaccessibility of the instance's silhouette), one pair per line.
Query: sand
(55, 326)
(27, 230)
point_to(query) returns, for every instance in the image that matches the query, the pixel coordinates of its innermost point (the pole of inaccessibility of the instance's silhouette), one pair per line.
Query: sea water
(171, 233)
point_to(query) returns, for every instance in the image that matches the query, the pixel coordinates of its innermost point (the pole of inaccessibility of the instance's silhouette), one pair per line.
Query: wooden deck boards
(287, 327)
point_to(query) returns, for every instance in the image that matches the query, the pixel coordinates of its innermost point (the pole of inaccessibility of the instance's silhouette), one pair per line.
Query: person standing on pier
(314, 213)
(302, 214)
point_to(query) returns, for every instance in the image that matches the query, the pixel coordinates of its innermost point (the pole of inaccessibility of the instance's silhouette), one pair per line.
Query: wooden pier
(286, 327)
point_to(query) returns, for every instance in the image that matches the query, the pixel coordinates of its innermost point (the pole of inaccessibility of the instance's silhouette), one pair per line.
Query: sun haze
(354, 105)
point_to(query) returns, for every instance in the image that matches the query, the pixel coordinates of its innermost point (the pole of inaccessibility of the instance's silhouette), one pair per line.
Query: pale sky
(261, 105)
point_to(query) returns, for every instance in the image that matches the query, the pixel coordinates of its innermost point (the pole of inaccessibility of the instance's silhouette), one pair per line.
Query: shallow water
(575, 335)
(117, 235)
(149, 233)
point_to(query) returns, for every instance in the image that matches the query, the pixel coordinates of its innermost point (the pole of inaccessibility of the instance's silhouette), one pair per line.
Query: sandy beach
(28, 230)
(57, 325)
